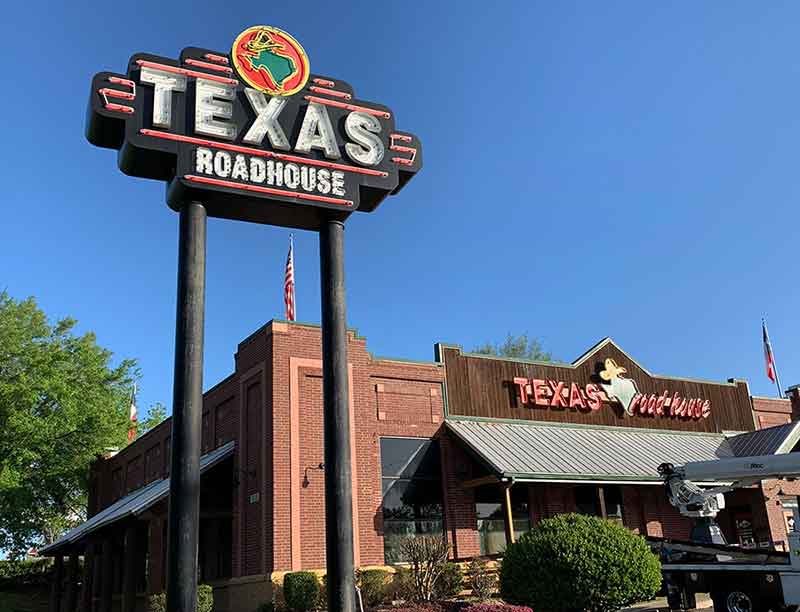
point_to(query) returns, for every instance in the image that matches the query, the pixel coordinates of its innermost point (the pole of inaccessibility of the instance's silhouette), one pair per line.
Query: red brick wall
(769, 411)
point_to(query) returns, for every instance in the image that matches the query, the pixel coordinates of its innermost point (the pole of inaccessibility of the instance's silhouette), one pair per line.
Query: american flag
(769, 357)
(134, 417)
(288, 283)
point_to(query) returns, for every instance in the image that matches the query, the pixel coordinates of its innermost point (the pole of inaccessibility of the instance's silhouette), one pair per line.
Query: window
(587, 501)
(412, 492)
(489, 510)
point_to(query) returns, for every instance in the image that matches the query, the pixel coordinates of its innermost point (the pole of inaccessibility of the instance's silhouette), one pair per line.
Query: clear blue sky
(592, 169)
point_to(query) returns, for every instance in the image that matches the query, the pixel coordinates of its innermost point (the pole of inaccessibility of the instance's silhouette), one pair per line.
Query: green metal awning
(549, 452)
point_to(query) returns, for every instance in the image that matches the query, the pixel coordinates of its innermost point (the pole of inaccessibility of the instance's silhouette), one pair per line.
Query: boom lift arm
(733, 473)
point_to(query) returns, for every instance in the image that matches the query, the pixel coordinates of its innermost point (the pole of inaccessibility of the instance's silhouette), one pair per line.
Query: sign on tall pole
(253, 135)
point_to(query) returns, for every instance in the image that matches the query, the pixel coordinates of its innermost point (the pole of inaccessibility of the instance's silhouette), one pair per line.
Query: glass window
(489, 511)
(587, 501)
(412, 492)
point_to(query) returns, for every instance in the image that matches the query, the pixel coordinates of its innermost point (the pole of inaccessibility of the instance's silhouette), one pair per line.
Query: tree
(516, 347)
(62, 403)
(156, 414)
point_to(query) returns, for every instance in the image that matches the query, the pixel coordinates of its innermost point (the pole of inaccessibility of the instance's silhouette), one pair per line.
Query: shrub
(496, 608)
(450, 582)
(205, 600)
(402, 585)
(322, 600)
(14, 573)
(373, 584)
(482, 583)
(301, 591)
(575, 562)
(427, 556)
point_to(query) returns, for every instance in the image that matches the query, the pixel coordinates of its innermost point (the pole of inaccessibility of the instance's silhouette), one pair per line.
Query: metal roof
(135, 502)
(538, 451)
(775, 440)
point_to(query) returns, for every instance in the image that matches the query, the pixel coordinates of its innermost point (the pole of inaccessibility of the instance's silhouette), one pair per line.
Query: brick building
(474, 447)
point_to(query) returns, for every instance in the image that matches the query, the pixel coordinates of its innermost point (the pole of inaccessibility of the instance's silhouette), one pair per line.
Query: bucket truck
(739, 580)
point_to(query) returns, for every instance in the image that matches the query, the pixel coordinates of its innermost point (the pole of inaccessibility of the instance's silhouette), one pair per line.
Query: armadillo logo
(616, 386)
(270, 60)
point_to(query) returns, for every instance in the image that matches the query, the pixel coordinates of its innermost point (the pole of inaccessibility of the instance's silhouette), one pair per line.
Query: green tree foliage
(155, 416)
(516, 347)
(62, 403)
(574, 562)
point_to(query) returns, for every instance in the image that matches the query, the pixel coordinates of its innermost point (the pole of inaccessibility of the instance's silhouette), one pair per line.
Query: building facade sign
(253, 134)
(604, 386)
(560, 395)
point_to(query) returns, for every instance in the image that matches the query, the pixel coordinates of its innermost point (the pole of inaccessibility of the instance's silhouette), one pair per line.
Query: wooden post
(130, 567)
(508, 516)
(87, 588)
(55, 589)
(601, 495)
(155, 569)
(106, 576)
(72, 582)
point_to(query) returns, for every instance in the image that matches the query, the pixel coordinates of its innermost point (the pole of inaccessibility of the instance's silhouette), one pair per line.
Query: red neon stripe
(402, 137)
(199, 64)
(189, 73)
(116, 93)
(216, 58)
(119, 107)
(324, 82)
(350, 107)
(259, 152)
(119, 81)
(403, 160)
(270, 190)
(331, 92)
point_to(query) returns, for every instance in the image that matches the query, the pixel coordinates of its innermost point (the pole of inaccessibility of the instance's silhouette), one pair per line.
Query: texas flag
(769, 358)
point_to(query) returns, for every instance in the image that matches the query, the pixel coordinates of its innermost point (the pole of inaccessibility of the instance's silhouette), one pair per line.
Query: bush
(402, 585)
(427, 556)
(496, 608)
(575, 562)
(373, 584)
(25, 572)
(450, 582)
(301, 591)
(205, 600)
(482, 583)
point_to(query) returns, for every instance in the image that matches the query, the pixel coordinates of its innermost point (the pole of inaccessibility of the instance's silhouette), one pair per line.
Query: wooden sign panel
(603, 387)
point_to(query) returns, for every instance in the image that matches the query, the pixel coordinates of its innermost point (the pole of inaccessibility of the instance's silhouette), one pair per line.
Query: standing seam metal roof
(538, 451)
(134, 503)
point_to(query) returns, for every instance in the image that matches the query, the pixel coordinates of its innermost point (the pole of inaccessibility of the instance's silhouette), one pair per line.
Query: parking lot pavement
(660, 605)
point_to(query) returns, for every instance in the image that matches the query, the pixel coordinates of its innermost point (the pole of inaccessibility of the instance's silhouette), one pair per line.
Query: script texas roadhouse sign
(252, 134)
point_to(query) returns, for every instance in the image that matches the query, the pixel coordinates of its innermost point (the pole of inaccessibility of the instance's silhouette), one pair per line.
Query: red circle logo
(270, 60)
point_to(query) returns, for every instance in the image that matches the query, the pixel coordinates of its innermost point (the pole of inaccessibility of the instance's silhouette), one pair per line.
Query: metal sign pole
(338, 475)
(187, 410)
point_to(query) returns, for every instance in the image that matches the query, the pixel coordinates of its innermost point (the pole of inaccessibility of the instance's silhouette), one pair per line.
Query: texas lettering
(201, 124)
